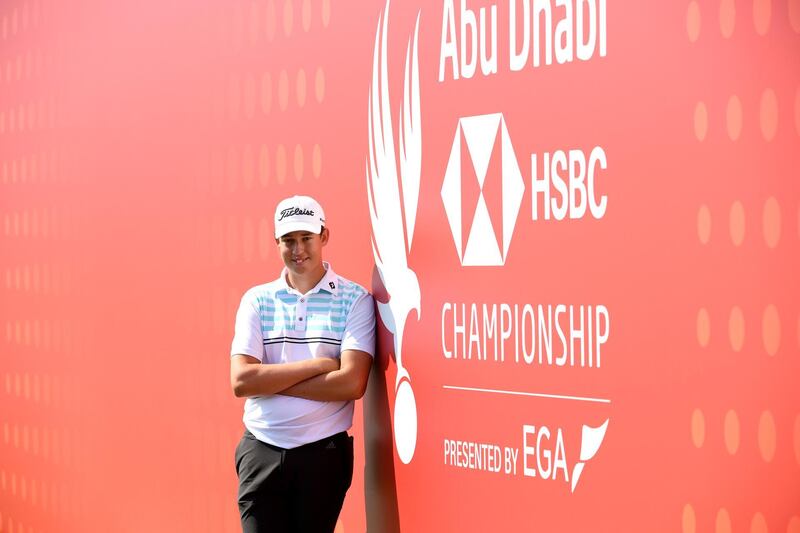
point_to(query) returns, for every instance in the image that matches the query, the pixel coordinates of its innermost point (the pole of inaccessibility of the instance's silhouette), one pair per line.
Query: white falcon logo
(393, 219)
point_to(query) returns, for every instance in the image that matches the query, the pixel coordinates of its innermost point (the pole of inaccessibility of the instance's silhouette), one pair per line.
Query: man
(301, 355)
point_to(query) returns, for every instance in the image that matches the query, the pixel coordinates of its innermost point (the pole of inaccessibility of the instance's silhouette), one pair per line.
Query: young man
(301, 355)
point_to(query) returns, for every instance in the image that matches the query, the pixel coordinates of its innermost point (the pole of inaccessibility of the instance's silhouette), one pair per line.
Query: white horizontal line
(534, 394)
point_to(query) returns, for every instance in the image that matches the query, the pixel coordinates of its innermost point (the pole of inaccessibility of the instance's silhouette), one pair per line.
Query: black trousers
(297, 490)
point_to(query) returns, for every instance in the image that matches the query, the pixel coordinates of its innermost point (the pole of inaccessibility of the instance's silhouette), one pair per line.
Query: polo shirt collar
(328, 283)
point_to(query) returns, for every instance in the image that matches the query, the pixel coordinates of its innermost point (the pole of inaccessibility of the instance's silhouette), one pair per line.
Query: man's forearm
(256, 379)
(332, 386)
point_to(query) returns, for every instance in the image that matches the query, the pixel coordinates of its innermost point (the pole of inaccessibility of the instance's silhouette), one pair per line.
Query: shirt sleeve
(247, 336)
(359, 331)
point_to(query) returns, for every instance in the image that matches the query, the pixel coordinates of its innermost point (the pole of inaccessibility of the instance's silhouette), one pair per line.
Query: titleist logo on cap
(294, 211)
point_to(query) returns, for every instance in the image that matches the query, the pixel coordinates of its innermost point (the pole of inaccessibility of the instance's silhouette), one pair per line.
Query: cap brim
(297, 226)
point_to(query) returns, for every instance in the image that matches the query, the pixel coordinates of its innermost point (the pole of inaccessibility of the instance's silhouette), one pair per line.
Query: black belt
(316, 445)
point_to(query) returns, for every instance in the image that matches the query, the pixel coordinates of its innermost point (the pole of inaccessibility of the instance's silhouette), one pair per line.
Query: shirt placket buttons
(301, 313)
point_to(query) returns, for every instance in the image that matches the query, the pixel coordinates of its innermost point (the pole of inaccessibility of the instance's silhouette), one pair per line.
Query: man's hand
(249, 377)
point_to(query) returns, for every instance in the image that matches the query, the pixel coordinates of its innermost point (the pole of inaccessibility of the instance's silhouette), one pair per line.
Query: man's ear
(325, 235)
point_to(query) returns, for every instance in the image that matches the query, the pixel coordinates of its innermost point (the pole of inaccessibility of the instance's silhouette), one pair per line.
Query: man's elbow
(358, 389)
(358, 383)
(243, 375)
(239, 386)
(239, 390)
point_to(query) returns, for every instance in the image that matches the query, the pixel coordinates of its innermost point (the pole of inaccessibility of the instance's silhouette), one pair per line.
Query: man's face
(301, 251)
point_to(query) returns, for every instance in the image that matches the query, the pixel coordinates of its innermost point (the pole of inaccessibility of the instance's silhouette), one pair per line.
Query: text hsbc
(565, 182)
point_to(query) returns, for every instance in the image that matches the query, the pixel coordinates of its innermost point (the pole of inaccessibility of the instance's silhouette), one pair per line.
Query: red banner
(580, 220)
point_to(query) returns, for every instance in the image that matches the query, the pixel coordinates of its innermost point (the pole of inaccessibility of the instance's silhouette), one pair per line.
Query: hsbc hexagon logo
(480, 134)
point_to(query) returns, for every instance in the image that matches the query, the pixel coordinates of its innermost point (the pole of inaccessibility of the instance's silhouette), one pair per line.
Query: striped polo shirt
(277, 324)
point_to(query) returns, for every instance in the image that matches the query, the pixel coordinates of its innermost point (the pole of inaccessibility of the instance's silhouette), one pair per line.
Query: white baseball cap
(298, 213)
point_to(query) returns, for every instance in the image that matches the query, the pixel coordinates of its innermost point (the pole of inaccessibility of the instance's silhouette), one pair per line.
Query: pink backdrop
(143, 148)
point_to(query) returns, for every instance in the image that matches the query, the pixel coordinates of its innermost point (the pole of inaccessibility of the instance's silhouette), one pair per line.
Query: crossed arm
(322, 378)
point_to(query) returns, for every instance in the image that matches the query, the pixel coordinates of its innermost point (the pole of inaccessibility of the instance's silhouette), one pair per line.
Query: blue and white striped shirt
(277, 324)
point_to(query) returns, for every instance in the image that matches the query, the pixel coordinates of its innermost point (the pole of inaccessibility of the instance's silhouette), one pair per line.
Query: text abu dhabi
(539, 32)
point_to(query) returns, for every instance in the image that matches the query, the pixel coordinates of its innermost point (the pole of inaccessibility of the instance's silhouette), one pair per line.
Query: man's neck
(303, 283)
